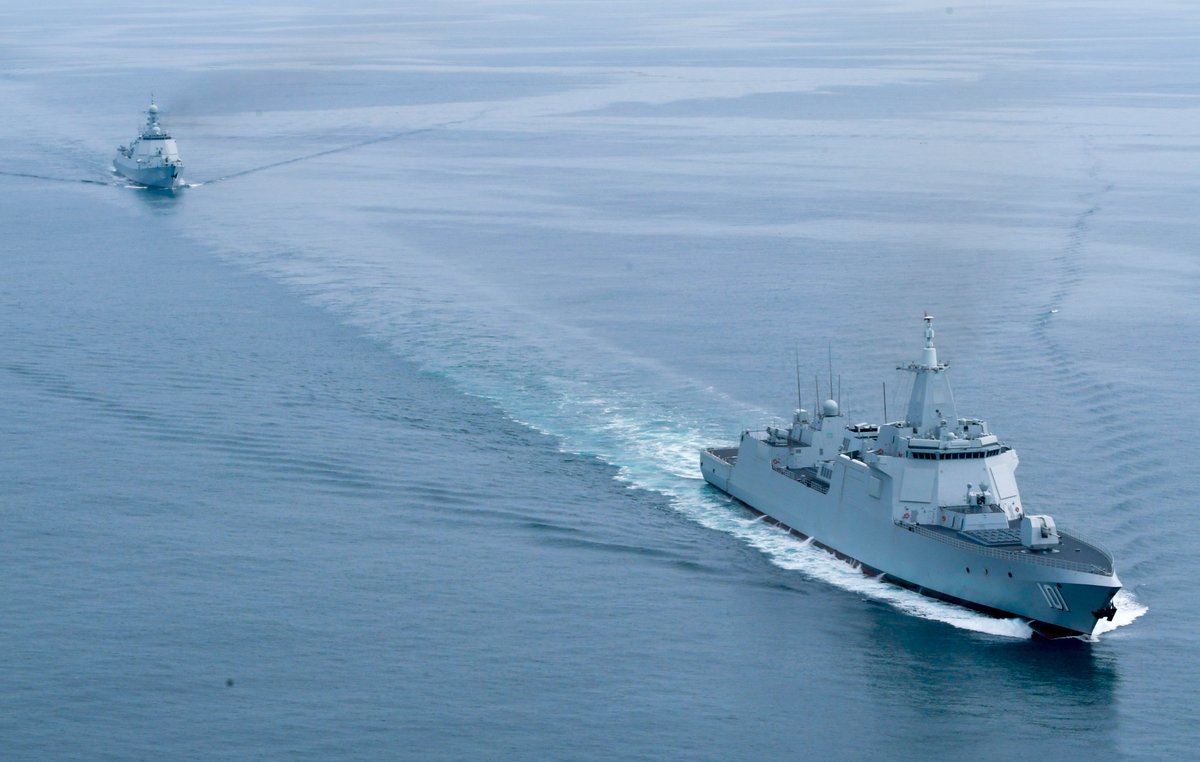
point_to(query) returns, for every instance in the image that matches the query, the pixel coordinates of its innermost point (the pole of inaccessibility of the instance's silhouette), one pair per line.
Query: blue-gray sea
(379, 440)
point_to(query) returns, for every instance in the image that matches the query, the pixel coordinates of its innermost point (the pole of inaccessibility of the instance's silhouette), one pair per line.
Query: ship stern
(716, 465)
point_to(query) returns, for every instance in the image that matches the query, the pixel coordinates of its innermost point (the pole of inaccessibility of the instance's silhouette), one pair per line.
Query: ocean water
(380, 439)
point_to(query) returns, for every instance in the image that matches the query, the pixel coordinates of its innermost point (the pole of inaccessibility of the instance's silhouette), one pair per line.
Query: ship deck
(727, 455)
(1072, 552)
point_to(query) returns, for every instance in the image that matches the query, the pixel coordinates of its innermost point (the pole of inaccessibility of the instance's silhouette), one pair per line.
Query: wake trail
(263, 168)
(331, 151)
(1073, 374)
(596, 399)
(49, 178)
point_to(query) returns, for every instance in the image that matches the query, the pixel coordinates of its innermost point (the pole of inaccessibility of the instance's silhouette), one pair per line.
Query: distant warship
(929, 503)
(152, 159)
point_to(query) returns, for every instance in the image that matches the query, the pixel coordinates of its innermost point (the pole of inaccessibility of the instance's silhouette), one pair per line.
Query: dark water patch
(249, 451)
(608, 547)
(1137, 483)
(698, 567)
(440, 496)
(543, 526)
(315, 472)
(58, 385)
(1142, 547)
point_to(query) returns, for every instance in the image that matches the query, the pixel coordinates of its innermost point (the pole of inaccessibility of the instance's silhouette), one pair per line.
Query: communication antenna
(885, 418)
(817, 383)
(829, 346)
(839, 391)
(799, 401)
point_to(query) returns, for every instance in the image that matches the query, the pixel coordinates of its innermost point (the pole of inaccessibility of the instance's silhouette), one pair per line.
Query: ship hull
(1056, 600)
(168, 176)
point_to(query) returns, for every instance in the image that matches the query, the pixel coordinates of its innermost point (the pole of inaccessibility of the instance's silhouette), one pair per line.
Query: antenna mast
(799, 400)
(829, 346)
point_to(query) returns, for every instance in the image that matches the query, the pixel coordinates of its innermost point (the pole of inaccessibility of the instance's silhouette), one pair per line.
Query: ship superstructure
(930, 502)
(152, 159)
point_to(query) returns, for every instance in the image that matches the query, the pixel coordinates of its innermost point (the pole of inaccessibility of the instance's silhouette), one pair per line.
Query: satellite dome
(153, 109)
(829, 408)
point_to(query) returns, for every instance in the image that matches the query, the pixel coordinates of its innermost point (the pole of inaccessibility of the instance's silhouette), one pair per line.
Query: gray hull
(153, 177)
(1058, 594)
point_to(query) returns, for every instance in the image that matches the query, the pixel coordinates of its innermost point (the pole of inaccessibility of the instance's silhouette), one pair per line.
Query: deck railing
(1016, 555)
(805, 476)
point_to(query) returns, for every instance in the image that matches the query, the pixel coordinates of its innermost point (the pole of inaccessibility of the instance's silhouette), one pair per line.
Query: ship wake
(597, 400)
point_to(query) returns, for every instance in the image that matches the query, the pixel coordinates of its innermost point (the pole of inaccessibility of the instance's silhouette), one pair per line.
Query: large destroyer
(929, 502)
(152, 159)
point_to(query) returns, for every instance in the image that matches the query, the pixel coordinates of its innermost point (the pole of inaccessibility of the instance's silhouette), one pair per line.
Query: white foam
(655, 455)
(1129, 608)
(789, 552)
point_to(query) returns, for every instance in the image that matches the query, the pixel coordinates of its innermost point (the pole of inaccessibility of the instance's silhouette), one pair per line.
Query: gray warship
(929, 502)
(152, 159)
